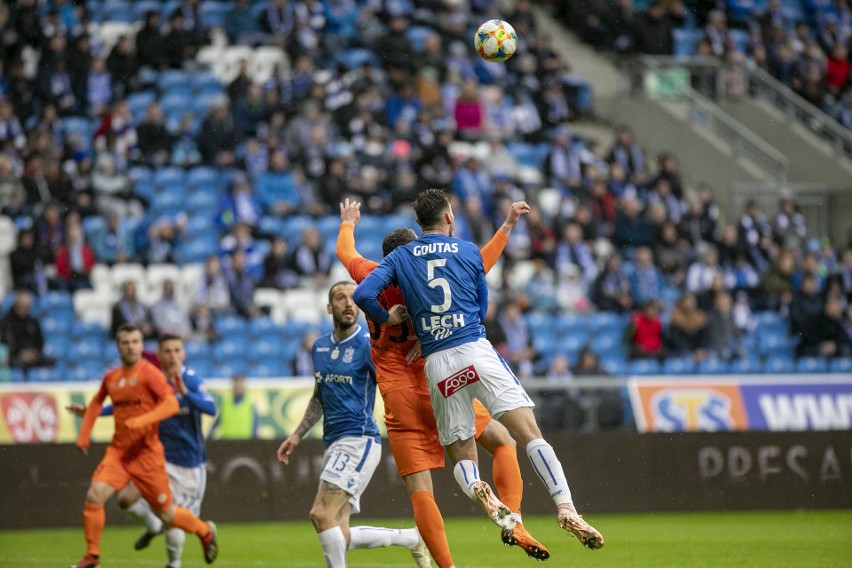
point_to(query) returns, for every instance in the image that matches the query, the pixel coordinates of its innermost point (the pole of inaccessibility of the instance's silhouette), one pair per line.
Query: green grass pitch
(731, 540)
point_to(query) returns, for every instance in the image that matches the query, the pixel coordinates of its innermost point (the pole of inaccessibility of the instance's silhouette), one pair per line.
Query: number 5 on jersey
(441, 283)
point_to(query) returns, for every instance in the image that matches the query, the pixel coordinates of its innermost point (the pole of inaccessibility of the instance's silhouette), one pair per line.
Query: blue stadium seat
(713, 366)
(204, 198)
(232, 348)
(57, 347)
(544, 344)
(56, 324)
(679, 366)
(605, 322)
(269, 368)
(614, 366)
(272, 225)
(82, 330)
(262, 349)
(205, 80)
(86, 349)
(608, 341)
(214, 13)
(140, 101)
(199, 223)
(776, 364)
(232, 326)
(55, 301)
(264, 327)
(44, 374)
(227, 369)
(416, 36)
(84, 370)
(539, 323)
(770, 319)
(174, 78)
(841, 365)
(165, 176)
(812, 365)
(17, 376)
(201, 176)
(196, 350)
(292, 227)
(643, 367)
(197, 249)
(355, 58)
(771, 342)
(685, 41)
(142, 7)
(203, 366)
(570, 324)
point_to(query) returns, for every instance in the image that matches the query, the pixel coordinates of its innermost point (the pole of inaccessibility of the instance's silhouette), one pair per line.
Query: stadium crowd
(804, 44)
(136, 153)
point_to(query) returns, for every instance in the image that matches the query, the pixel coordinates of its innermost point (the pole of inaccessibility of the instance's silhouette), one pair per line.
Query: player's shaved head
(397, 238)
(430, 206)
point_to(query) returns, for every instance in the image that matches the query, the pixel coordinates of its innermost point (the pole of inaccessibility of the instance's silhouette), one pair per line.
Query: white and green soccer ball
(495, 40)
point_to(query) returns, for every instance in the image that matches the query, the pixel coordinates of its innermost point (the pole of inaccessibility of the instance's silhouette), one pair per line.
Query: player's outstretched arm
(167, 407)
(312, 415)
(494, 248)
(357, 266)
(89, 417)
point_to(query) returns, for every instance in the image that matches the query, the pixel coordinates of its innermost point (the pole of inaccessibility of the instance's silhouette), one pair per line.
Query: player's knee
(166, 515)
(321, 517)
(96, 496)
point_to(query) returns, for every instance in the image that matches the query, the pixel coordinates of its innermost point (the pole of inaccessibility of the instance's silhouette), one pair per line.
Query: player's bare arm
(350, 211)
(397, 315)
(518, 208)
(313, 414)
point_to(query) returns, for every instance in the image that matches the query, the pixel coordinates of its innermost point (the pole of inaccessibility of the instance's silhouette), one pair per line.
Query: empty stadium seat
(264, 327)
(127, 272)
(270, 299)
(643, 367)
(269, 368)
(232, 326)
(713, 366)
(196, 350)
(812, 365)
(262, 349)
(841, 365)
(679, 366)
(776, 364)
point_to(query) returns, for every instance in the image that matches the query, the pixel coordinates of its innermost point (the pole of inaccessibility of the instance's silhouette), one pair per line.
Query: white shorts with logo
(349, 463)
(188, 485)
(470, 371)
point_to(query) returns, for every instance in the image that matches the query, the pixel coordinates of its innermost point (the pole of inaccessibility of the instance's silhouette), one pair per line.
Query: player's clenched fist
(518, 208)
(397, 315)
(287, 447)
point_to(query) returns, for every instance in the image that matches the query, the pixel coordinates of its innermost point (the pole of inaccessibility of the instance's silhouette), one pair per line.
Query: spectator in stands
(98, 88)
(562, 165)
(123, 67)
(168, 315)
(155, 141)
(26, 265)
(218, 138)
(53, 85)
(39, 188)
(653, 29)
(164, 237)
(824, 335)
(74, 260)
(631, 228)
(807, 304)
(844, 272)
(276, 267)
(213, 290)
(645, 333)
(241, 285)
(701, 272)
(724, 337)
(113, 191)
(112, 242)
(741, 275)
(11, 131)
(304, 363)
(671, 254)
(130, 310)
(560, 409)
(688, 329)
(150, 49)
(241, 25)
(311, 260)
(50, 231)
(494, 329)
(627, 154)
(203, 324)
(250, 111)
(809, 267)
(185, 148)
(117, 133)
(468, 112)
(238, 418)
(179, 44)
(13, 196)
(646, 281)
(790, 230)
(611, 292)
(21, 332)
(540, 289)
(279, 20)
(573, 250)
(571, 291)
(776, 285)
(518, 350)
(276, 189)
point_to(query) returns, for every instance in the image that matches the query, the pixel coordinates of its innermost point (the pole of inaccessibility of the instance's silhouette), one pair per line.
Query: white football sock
(174, 546)
(333, 547)
(466, 473)
(549, 470)
(141, 512)
(380, 537)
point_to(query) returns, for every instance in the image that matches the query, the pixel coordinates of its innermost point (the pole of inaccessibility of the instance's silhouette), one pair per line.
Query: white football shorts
(188, 485)
(470, 371)
(349, 463)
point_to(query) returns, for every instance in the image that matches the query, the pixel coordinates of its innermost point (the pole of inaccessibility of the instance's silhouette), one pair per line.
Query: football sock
(141, 512)
(507, 477)
(333, 547)
(549, 470)
(430, 523)
(94, 520)
(380, 537)
(188, 522)
(174, 546)
(466, 473)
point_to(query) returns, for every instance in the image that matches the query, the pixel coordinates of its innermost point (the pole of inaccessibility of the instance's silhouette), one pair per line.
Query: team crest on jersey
(335, 353)
(347, 354)
(121, 382)
(132, 381)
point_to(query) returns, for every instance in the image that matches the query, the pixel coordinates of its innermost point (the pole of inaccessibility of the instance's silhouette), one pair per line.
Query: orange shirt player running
(141, 398)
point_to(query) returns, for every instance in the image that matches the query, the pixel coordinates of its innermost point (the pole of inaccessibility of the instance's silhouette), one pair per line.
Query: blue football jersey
(443, 283)
(347, 385)
(181, 434)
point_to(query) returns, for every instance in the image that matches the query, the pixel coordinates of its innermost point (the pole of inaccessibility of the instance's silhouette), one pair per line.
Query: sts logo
(690, 410)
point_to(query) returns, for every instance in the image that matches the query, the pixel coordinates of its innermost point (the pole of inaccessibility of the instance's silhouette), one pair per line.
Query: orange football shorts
(147, 471)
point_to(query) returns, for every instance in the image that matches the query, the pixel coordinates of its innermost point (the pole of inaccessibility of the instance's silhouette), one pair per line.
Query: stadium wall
(44, 485)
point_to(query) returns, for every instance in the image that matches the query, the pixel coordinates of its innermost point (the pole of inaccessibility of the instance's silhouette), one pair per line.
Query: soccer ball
(495, 40)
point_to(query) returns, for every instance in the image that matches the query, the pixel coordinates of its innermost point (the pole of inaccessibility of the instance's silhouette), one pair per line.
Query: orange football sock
(188, 522)
(430, 523)
(94, 520)
(507, 477)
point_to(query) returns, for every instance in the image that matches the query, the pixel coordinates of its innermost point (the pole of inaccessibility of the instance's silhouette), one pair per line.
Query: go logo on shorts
(458, 381)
